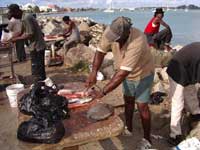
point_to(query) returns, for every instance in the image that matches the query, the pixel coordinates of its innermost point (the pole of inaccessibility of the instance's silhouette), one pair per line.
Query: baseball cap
(117, 28)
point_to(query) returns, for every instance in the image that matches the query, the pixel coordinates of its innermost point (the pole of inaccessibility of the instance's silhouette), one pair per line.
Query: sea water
(184, 25)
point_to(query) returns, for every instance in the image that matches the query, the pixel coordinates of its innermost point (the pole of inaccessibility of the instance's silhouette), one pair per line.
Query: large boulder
(195, 132)
(85, 37)
(96, 32)
(53, 27)
(161, 58)
(84, 27)
(108, 71)
(77, 54)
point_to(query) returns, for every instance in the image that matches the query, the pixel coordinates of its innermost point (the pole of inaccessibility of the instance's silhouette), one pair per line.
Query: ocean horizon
(184, 24)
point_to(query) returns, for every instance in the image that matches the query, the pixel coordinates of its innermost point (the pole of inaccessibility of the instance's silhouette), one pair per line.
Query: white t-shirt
(15, 27)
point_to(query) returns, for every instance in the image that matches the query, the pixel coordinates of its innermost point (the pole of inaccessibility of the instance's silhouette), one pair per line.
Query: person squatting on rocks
(71, 34)
(32, 32)
(184, 74)
(156, 38)
(135, 70)
(15, 28)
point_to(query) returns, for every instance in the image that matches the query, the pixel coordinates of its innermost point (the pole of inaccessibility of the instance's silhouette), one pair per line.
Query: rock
(90, 22)
(84, 27)
(195, 132)
(53, 27)
(85, 37)
(107, 66)
(157, 75)
(100, 112)
(185, 124)
(77, 54)
(108, 71)
(158, 87)
(164, 74)
(161, 58)
(177, 47)
(96, 32)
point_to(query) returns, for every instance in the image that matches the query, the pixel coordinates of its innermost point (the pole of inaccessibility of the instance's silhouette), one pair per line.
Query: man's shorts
(141, 89)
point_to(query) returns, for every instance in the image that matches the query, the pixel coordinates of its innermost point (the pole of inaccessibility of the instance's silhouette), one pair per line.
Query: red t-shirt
(151, 28)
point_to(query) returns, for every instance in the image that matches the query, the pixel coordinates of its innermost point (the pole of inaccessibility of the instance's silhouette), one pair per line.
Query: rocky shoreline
(91, 33)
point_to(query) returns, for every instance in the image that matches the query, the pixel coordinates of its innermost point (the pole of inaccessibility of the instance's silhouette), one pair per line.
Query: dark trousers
(37, 65)
(20, 50)
(161, 38)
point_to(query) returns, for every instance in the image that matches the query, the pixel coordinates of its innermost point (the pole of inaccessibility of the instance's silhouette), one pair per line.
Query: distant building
(28, 6)
(3, 15)
(45, 9)
(31, 7)
(54, 8)
(67, 9)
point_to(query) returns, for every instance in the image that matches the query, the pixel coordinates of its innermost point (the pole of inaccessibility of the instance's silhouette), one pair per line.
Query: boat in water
(110, 8)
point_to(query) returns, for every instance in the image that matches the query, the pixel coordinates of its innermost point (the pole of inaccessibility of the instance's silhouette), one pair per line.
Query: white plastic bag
(5, 36)
(100, 76)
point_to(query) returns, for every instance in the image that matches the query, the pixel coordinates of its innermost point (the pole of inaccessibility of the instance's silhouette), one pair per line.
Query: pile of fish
(75, 99)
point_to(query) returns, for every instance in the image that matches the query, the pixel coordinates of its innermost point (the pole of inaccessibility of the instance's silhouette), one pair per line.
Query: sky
(104, 3)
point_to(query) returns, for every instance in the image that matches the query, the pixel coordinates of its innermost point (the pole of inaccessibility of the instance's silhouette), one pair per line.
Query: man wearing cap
(32, 32)
(135, 69)
(155, 37)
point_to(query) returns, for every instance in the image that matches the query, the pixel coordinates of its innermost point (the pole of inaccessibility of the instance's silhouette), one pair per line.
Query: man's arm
(22, 37)
(159, 20)
(68, 32)
(98, 59)
(115, 81)
(164, 24)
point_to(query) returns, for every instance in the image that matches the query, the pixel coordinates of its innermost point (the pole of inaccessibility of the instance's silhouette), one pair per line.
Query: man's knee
(168, 31)
(143, 107)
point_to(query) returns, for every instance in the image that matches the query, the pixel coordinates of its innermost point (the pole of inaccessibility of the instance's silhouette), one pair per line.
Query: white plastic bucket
(47, 57)
(12, 92)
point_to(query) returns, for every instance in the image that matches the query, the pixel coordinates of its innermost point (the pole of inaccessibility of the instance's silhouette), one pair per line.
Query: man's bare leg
(129, 110)
(146, 119)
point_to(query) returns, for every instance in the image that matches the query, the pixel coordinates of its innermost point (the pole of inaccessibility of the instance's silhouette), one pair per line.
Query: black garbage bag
(53, 108)
(42, 101)
(157, 98)
(39, 130)
(28, 101)
(48, 110)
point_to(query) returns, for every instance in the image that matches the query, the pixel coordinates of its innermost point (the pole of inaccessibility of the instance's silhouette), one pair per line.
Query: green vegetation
(81, 66)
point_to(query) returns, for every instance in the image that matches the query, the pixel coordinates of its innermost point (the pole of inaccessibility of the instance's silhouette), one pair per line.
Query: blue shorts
(141, 89)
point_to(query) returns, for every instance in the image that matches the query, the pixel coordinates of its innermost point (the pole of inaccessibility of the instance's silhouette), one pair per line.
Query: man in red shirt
(155, 38)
